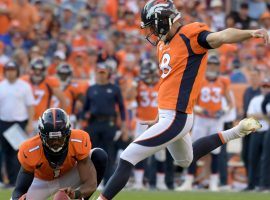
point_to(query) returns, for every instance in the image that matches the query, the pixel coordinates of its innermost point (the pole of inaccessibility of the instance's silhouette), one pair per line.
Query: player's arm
(233, 35)
(60, 96)
(31, 112)
(23, 182)
(88, 177)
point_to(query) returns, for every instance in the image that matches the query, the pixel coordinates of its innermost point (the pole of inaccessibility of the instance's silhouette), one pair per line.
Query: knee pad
(185, 162)
(216, 151)
(98, 155)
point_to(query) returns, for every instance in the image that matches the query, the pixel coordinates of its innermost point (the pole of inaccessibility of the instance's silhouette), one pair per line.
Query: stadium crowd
(60, 40)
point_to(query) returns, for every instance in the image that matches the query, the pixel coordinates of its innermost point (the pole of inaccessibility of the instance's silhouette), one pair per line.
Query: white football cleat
(161, 186)
(137, 187)
(213, 184)
(248, 125)
(187, 185)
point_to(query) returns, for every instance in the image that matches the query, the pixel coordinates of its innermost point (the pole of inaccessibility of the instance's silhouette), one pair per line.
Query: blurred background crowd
(95, 42)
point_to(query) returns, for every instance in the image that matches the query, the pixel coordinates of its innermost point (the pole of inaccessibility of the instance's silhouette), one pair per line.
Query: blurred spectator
(256, 8)
(265, 21)
(34, 53)
(237, 76)
(101, 102)
(21, 58)
(4, 16)
(129, 68)
(241, 18)
(259, 156)
(80, 64)
(77, 5)
(261, 58)
(27, 18)
(17, 101)
(58, 57)
(3, 57)
(252, 91)
(68, 18)
(45, 47)
(128, 24)
(218, 15)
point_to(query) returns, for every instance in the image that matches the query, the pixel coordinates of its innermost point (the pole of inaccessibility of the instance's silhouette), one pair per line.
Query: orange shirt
(182, 63)
(4, 19)
(27, 18)
(211, 94)
(147, 101)
(71, 92)
(32, 158)
(42, 93)
(52, 69)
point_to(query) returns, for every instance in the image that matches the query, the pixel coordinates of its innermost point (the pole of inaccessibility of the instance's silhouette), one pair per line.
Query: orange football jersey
(71, 92)
(32, 158)
(211, 94)
(42, 93)
(147, 101)
(182, 64)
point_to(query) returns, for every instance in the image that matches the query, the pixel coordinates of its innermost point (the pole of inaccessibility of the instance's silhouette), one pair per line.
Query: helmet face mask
(38, 68)
(54, 141)
(149, 72)
(64, 73)
(54, 128)
(212, 71)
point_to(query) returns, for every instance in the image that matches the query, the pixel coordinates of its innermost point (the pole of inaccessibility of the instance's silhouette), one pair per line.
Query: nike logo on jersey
(39, 165)
(24, 155)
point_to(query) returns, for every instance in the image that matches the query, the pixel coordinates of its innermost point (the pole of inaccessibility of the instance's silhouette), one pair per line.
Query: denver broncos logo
(156, 9)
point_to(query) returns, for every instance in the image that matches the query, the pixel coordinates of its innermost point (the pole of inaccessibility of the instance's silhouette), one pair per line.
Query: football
(61, 195)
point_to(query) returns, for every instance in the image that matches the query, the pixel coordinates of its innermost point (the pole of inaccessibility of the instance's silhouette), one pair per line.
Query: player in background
(43, 87)
(208, 119)
(146, 95)
(182, 55)
(73, 90)
(58, 158)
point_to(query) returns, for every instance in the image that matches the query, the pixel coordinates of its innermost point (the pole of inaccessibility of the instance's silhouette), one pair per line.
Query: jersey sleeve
(82, 145)
(197, 33)
(25, 159)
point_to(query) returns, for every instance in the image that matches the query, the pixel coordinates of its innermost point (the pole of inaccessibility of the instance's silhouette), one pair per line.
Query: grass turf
(154, 195)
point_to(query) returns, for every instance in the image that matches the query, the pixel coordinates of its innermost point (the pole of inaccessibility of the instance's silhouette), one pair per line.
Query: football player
(58, 158)
(73, 91)
(182, 55)
(43, 88)
(146, 95)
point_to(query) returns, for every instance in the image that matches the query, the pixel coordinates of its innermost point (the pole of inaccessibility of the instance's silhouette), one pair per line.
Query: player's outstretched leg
(205, 145)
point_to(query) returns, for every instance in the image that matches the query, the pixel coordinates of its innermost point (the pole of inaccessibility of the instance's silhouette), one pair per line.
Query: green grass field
(154, 195)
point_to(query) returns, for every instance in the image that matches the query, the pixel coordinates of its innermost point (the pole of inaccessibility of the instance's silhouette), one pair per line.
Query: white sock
(138, 176)
(160, 178)
(230, 134)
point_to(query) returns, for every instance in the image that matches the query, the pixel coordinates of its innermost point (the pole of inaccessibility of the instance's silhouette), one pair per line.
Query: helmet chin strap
(174, 27)
(178, 16)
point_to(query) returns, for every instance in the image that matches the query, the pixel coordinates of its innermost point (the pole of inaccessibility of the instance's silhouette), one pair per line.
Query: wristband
(77, 194)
